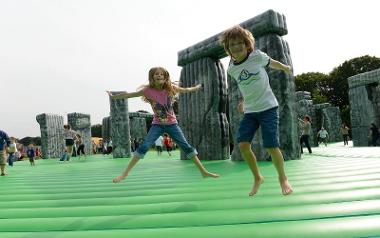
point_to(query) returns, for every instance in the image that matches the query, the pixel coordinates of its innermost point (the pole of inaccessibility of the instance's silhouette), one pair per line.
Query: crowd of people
(12, 151)
(166, 142)
(323, 135)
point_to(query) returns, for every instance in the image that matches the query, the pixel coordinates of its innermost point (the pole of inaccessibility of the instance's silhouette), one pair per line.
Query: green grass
(337, 194)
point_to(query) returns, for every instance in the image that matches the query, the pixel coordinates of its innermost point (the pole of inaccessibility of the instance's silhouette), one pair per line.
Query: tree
(316, 83)
(96, 130)
(333, 88)
(30, 140)
(338, 78)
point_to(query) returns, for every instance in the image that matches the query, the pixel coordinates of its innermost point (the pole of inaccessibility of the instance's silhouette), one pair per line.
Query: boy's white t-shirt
(253, 82)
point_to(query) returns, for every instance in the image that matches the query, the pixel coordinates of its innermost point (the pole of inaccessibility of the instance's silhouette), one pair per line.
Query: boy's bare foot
(256, 185)
(286, 187)
(208, 174)
(119, 178)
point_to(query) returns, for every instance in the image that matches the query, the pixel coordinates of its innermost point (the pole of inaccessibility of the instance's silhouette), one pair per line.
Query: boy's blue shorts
(268, 120)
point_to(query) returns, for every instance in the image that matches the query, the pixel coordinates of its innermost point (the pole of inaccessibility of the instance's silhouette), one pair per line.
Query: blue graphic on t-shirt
(245, 75)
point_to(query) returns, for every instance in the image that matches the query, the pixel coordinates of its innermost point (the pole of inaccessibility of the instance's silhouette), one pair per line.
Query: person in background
(93, 147)
(69, 136)
(344, 130)
(38, 153)
(80, 146)
(323, 136)
(136, 143)
(99, 147)
(4, 143)
(373, 134)
(305, 125)
(12, 149)
(109, 146)
(31, 153)
(168, 143)
(159, 144)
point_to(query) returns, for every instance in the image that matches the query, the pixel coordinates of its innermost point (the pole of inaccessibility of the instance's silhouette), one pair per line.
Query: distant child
(259, 104)
(80, 146)
(109, 146)
(12, 149)
(64, 156)
(4, 143)
(159, 143)
(344, 130)
(168, 143)
(305, 125)
(70, 136)
(31, 154)
(373, 134)
(323, 135)
(160, 94)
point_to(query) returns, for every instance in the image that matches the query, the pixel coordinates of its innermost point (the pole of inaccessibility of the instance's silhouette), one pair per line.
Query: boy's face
(238, 49)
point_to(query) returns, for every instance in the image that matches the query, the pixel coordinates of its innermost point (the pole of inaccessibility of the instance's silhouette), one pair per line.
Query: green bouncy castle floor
(337, 194)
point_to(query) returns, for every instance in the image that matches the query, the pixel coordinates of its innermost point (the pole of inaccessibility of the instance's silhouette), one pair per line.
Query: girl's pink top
(162, 105)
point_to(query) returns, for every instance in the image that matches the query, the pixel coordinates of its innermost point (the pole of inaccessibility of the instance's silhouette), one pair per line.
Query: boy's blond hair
(237, 32)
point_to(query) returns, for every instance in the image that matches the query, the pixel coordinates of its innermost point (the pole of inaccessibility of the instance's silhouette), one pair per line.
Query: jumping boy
(259, 104)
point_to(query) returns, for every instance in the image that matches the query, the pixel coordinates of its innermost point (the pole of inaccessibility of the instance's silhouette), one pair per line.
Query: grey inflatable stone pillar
(268, 29)
(137, 123)
(120, 128)
(328, 117)
(81, 123)
(364, 93)
(202, 114)
(234, 96)
(283, 87)
(52, 141)
(106, 128)
(332, 123)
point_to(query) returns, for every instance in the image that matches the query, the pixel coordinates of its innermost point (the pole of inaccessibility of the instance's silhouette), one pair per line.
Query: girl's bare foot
(286, 187)
(119, 178)
(256, 185)
(208, 174)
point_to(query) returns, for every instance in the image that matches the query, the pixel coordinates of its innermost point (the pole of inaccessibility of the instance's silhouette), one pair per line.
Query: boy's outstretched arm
(189, 89)
(125, 95)
(274, 64)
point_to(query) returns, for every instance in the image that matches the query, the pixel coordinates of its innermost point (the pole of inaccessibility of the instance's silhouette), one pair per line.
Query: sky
(60, 56)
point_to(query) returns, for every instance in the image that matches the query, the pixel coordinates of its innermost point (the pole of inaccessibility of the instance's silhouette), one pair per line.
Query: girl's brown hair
(237, 32)
(168, 85)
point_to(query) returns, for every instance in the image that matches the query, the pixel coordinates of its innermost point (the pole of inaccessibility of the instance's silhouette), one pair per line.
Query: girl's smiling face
(159, 77)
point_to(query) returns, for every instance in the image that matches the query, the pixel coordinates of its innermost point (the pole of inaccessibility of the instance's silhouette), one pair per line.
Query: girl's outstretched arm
(189, 89)
(125, 95)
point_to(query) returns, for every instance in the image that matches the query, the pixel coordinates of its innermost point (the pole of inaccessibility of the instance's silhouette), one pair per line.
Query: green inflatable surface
(336, 194)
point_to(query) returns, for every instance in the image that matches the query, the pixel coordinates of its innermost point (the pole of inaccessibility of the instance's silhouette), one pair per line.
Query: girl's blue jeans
(174, 132)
